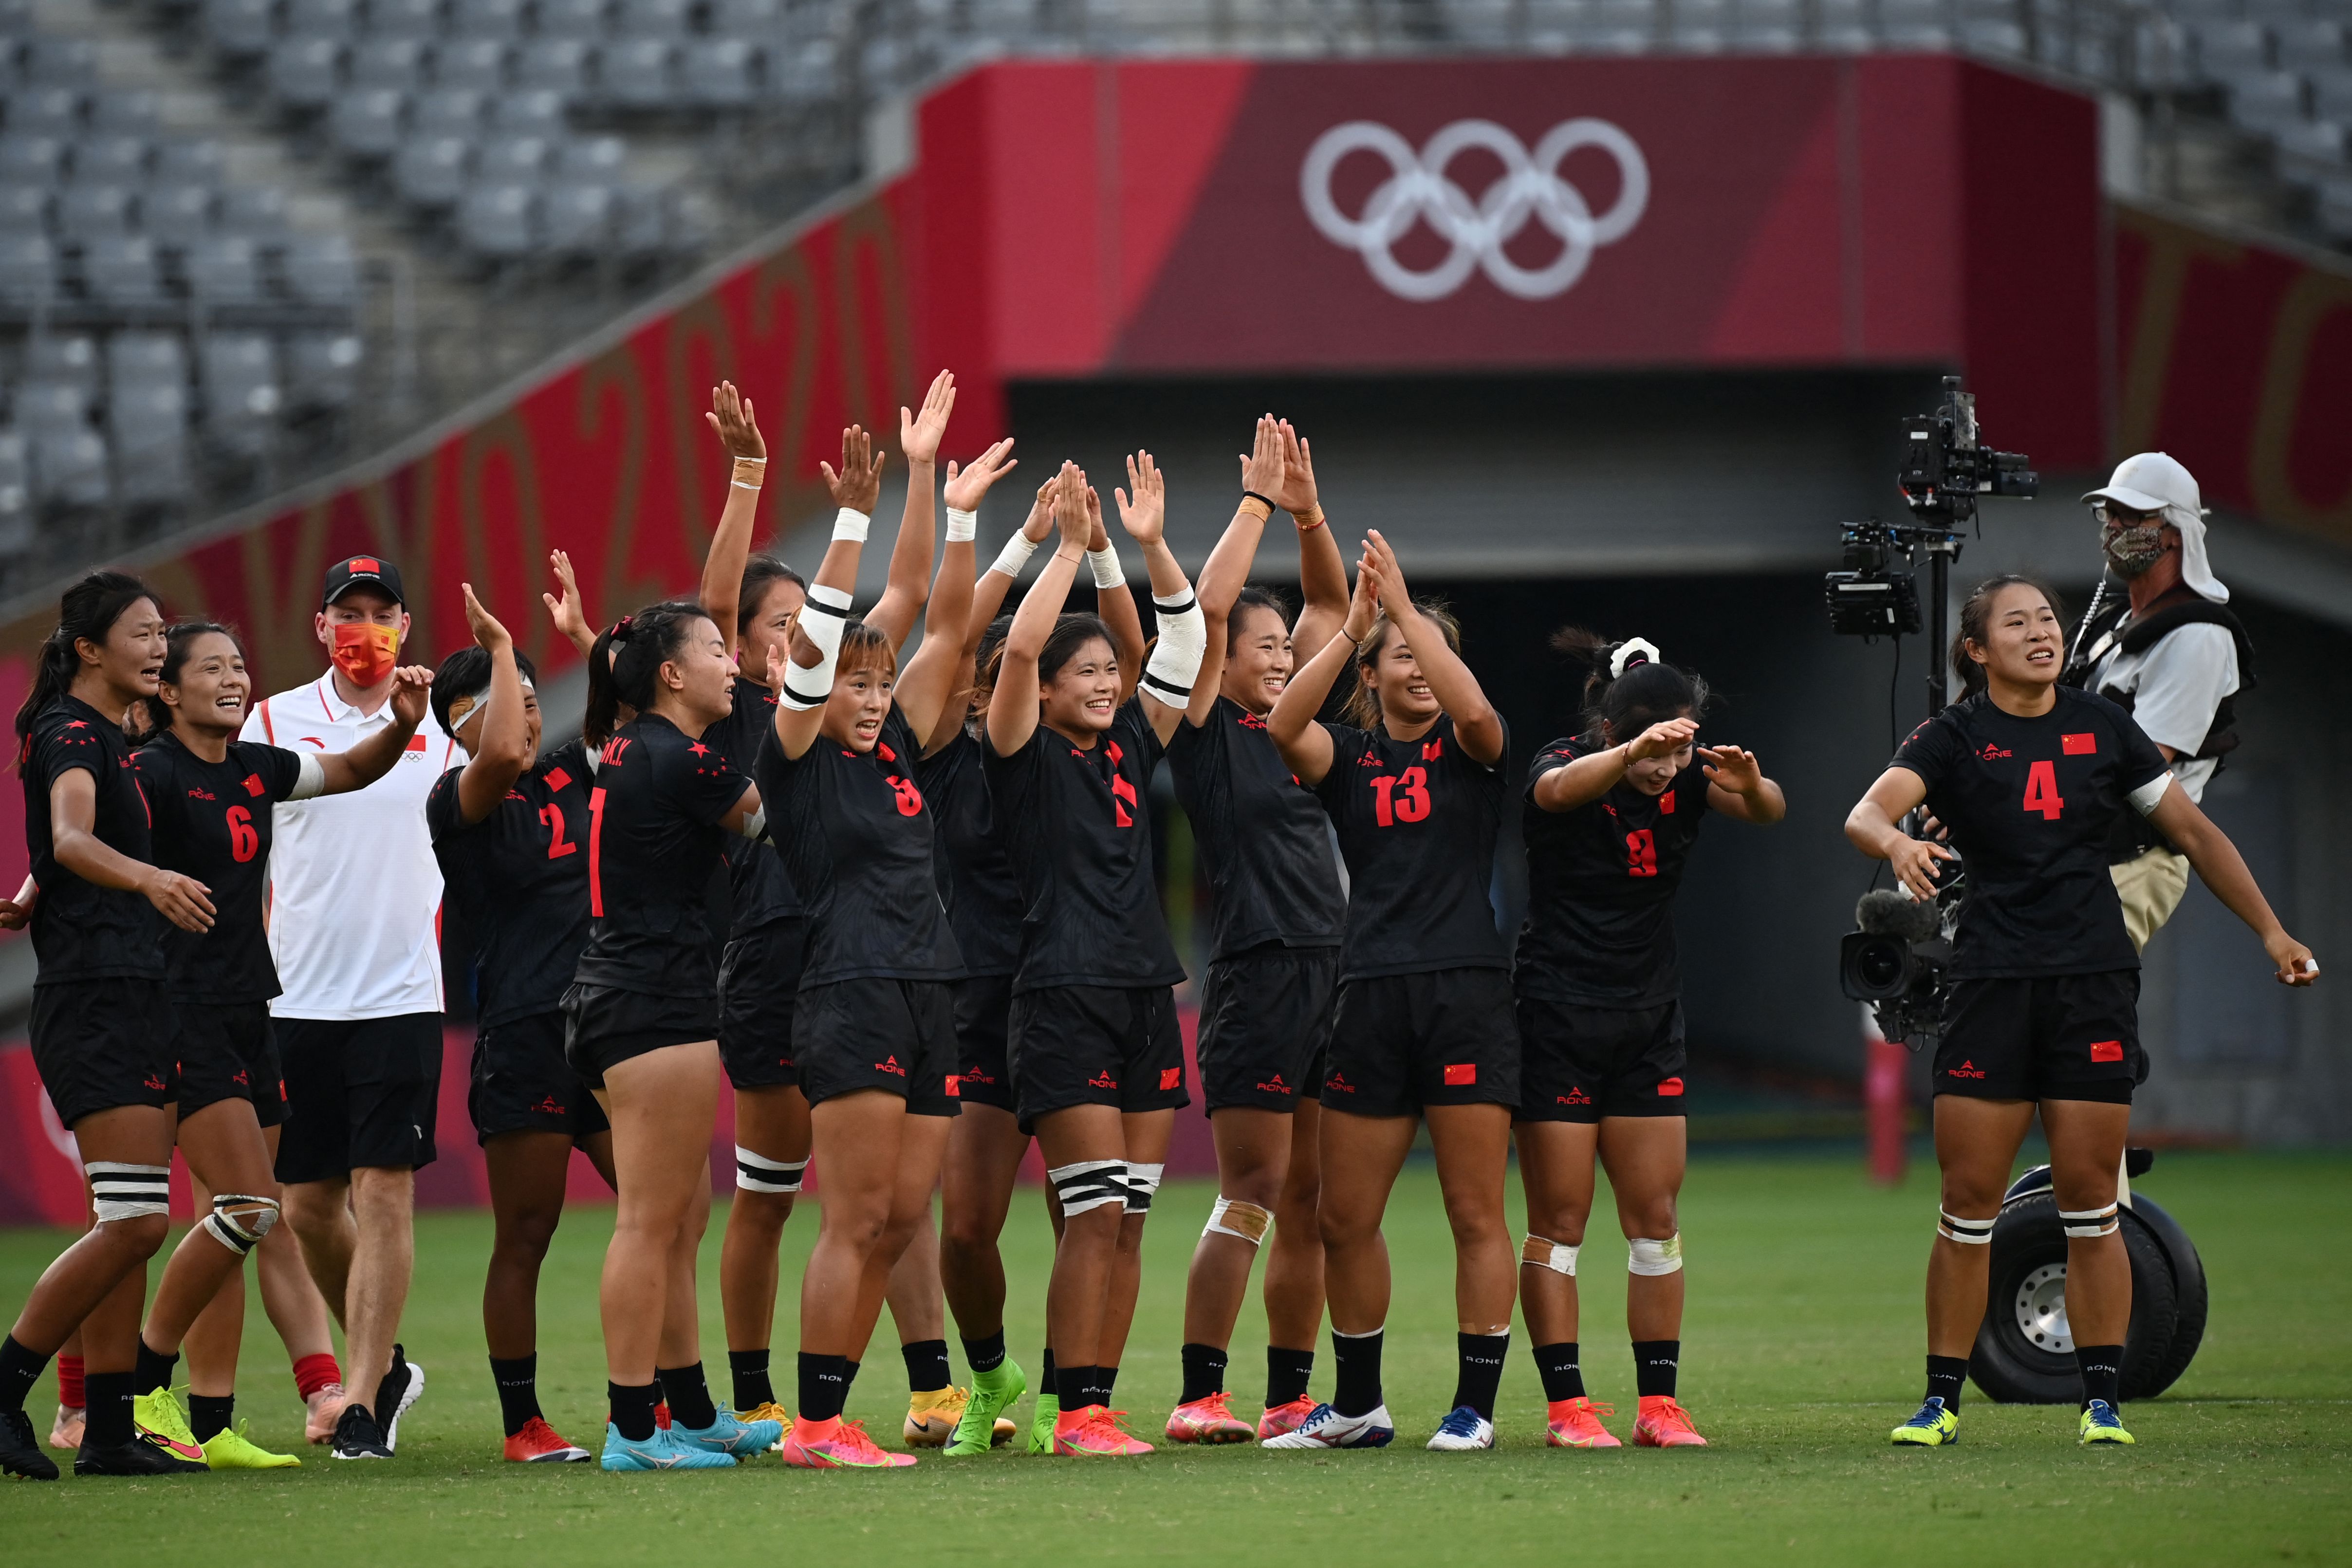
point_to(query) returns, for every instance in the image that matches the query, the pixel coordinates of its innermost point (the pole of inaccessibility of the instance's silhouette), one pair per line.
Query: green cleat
(1041, 1424)
(228, 1449)
(159, 1421)
(1933, 1428)
(2102, 1424)
(975, 1431)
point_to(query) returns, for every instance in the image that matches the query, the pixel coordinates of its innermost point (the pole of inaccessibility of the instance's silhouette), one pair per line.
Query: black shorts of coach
(896, 1036)
(360, 1095)
(759, 992)
(1402, 1043)
(102, 1043)
(983, 1017)
(228, 1051)
(2048, 1037)
(1266, 1024)
(604, 1026)
(1581, 1063)
(1096, 1045)
(521, 1082)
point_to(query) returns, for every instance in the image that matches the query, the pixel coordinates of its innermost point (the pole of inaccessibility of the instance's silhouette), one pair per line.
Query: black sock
(154, 1369)
(108, 1409)
(20, 1370)
(1357, 1359)
(2103, 1373)
(1478, 1370)
(1106, 1379)
(986, 1353)
(1656, 1362)
(688, 1396)
(208, 1415)
(1075, 1385)
(1049, 1381)
(517, 1382)
(1945, 1376)
(848, 1377)
(1563, 1375)
(633, 1409)
(926, 1365)
(747, 1369)
(1204, 1372)
(824, 1385)
(1286, 1372)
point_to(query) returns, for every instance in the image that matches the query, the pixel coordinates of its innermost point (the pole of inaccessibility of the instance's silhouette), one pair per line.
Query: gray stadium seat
(641, 219)
(576, 220)
(500, 222)
(447, 112)
(322, 371)
(403, 18)
(593, 160)
(28, 270)
(135, 356)
(177, 216)
(1775, 24)
(2306, 44)
(430, 170)
(651, 19)
(513, 159)
(242, 399)
(2331, 94)
(747, 18)
(536, 111)
(805, 72)
(305, 73)
(719, 73)
(56, 61)
(119, 270)
(24, 209)
(2229, 50)
(44, 408)
(119, 113)
(387, 62)
(554, 65)
(328, 19)
(1701, 26)
(367, 122)
(241, 30)
(16, 531)
(197, 162)
(65, 358)
(44, 110)
(70, 467)
(635, 73)
(2319, 139)
(581, 19)
(92, 211)
(476, 64)
(488, 18)
(2267, 100)
(149, 423)
(225, 269)
(321, 270)
(256, 210)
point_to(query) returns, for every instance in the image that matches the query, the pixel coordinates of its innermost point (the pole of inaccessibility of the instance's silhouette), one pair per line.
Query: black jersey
(212, 822)
(1077, 825)
(83, 931)
(856, 837)
(518, 879)
(976, 879)
(1417, 823)
(762, 890)
(652, 838)
(2030, 802)
(1601, 889)
(1264, 839)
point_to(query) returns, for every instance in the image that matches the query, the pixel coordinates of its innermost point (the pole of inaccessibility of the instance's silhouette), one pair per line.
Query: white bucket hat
(2156, 482)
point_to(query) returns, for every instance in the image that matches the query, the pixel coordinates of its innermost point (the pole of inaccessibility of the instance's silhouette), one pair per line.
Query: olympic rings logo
(1418, 190)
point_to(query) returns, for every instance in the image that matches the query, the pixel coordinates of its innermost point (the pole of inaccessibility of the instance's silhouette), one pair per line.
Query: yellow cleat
(1933, 1428)
(228, 1449)
(769, 1410)
(932, 1416)
(157, 1418)
(2101, 1424)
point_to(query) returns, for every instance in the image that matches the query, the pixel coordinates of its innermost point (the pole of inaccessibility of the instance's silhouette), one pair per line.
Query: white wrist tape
(1176, 657)
(755, 825)
(120, 1191)
(1109, 573)
(821, 620)
(1232, 1217)
(757, 1172)
(851, 524)
(1142, 1181)
(1549, 1255)
(1089, 1184)
(1014, 555)
(961, 525)
(740, 485)
(1967, 1232)
(312, 779)
(1644, 1255)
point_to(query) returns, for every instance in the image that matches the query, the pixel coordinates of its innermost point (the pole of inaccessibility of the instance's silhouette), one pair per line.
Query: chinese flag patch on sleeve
(2079, 745)
(1461, 1072)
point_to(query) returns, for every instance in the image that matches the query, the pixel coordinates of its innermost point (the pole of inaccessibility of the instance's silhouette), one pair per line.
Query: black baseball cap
(363, 568)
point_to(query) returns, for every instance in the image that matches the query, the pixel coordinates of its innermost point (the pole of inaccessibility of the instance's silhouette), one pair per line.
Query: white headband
(481, 700)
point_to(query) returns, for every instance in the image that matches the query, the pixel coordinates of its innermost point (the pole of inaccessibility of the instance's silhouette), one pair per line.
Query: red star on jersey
(78, 724)
(700, 750)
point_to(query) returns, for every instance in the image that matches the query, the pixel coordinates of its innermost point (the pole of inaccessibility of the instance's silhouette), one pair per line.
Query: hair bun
(622, 628)
(1632, 651)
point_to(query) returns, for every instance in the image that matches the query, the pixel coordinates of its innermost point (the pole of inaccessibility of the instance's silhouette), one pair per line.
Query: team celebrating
(904, 904)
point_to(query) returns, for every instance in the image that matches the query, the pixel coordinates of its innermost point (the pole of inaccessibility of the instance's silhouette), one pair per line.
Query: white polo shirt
(2177, 684)
(355, 891)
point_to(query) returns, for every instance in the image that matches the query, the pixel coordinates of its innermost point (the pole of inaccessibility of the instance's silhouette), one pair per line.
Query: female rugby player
(1422, 1023)
(1276, 916)
(1609, 820)
(2027, 775)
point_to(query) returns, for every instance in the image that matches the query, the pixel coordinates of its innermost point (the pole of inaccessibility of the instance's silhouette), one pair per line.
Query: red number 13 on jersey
(1403, 798)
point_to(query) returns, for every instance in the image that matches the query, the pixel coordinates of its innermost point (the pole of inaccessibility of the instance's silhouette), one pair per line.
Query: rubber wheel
(2189, 1294)
(2023, 1354)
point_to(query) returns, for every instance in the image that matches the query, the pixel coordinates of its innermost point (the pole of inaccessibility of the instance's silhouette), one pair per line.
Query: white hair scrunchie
(1624, 657)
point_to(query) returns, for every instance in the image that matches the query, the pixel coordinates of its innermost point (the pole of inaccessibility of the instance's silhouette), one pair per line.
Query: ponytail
(624, 666)
(88, 611)
(1976, 610)
(1362, 707)
(1630, 688)
(178, 639)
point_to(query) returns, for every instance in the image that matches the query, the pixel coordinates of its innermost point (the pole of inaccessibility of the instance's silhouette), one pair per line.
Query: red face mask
(365, 651)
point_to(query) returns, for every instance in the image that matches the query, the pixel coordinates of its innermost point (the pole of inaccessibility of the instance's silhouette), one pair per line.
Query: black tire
(2028, 1267)
(2189, 1293)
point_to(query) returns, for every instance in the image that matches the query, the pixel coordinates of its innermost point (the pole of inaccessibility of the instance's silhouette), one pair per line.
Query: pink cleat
(1662, 1424)
(1096, 1431)
(1576, 1424)
(1281, 1418)
(1207, 1421)
(837, 1445)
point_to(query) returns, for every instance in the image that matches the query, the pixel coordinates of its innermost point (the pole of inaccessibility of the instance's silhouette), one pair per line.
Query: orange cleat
(1662, 1424)
(539, 1444)
(1576, 1424)
(1207, 1421)
(1095, 1430)
(837, 1445)
(1281, 1418)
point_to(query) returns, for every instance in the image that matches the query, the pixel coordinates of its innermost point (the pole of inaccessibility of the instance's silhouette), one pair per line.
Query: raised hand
(1075, 511)
(1732, 768)
(1097, 538)
(1395, 597)
(1669, 736)
(965, 486)
(565, 607)
(919, 434)
(731, 416)
(774, 677)
(1364, 604)
(1262, 465)
(1145, 518)
(1040, 520)
(1297, 494)
(859, 484)
(412, 684)
(487, 632)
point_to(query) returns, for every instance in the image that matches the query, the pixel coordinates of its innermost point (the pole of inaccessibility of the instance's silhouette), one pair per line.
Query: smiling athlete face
(1259, 660)
(213, 689)
(1083, 696)
(1395, 674)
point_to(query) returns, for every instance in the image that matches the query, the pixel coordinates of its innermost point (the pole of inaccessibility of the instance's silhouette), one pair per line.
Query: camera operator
(2171, 654)
(2029, 777)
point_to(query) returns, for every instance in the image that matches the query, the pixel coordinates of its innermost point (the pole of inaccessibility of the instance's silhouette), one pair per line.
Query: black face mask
(2133, 550)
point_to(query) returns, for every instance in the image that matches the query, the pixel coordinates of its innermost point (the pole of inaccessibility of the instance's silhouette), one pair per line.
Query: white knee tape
(757, 1172)
(1549, 1255)
(1644, 1255)
(1142, 1181)
(1967, 1232)
(1089, 1184)
(1231, 1217)
(2089, 1224)
(128, 1192)
(240, 1219)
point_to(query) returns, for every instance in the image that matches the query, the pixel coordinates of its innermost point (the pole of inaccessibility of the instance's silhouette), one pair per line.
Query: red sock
(312, 1373)
(69, 1389)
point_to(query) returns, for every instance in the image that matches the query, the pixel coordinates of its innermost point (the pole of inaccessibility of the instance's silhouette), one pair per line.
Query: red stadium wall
(1081, 219)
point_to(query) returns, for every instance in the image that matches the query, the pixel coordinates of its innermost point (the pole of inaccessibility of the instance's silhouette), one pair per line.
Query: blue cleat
(2102, 1424)
(662, 1451)
(1933, 1428)
(731, 1435)
(1461, 1431)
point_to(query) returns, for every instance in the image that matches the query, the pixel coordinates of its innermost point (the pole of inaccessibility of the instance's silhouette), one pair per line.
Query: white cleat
(1326, 1429)
(1463, 1430)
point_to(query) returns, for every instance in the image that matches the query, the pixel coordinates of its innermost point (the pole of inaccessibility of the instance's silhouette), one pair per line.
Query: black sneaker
(357, 1436)
(20, 1450)
(397, 1392)
(135, 1457)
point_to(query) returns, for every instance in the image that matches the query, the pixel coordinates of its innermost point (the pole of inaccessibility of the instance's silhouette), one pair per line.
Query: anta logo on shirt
(202, 795)
(1575, 1096)
(1274, 1085)
(240, 1080)
(978, 1076)
(1368, 760)
(1102, 1080)
(1253, 721)
(548, 1106)
(1965, 1069)
(1989, 752)
(890, 1066)
(1338, 1084)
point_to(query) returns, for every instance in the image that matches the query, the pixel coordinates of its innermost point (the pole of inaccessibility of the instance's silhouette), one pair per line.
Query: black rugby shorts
(2047, 1037)
(523, 1083)
(360, 1095)
(896, 1036)
(983, 1009)
(1402, 1043)
(758, 991)
(604, 1026)
(1096, 1045)
(100, 1043)
(1581, 1063)
(1265, 1022)
(228, 1051)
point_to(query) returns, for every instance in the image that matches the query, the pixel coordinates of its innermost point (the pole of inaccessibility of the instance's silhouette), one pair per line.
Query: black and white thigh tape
(758, 1172)
(1967, 1232)
(119, 1191)
(1089, 1184)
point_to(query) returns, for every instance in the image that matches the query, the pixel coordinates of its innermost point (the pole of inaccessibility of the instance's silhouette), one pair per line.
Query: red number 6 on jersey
(244, 843)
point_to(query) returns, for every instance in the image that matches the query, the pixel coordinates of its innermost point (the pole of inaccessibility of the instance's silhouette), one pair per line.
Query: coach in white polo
(355, 902)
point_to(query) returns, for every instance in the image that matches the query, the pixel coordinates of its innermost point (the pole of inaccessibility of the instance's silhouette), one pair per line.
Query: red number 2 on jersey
(2042, 790)
(558, 846)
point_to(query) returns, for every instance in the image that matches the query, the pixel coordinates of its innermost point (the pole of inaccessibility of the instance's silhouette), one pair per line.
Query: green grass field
(1801, 1349)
